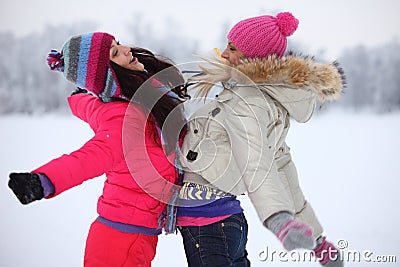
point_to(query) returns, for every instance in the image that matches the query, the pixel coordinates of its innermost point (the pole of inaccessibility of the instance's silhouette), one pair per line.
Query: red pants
(108, 247)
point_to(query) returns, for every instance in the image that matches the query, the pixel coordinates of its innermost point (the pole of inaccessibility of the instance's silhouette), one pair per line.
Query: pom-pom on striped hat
(262, 36)
(85, 61)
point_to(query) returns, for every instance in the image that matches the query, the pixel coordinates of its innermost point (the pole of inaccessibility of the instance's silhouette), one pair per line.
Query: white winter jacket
(237, 142)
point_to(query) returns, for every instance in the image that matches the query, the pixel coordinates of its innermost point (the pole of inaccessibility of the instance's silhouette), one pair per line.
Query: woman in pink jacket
(133, 145)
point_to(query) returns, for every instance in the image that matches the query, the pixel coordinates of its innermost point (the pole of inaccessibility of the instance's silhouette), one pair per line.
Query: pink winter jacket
(124, 148)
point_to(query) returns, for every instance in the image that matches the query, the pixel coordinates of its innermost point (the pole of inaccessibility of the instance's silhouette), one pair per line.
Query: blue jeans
(219, 244)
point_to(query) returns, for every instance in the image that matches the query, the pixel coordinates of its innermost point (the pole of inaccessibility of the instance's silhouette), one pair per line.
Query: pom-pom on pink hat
(264, 35)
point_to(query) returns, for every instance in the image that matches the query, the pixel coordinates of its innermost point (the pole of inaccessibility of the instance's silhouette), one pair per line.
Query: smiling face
(122, 55)
(232, 54)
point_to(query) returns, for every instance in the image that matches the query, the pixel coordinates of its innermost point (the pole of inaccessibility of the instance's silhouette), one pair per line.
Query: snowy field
(348, 165)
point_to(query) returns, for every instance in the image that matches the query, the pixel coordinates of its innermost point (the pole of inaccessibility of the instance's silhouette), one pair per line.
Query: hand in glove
(26, 186)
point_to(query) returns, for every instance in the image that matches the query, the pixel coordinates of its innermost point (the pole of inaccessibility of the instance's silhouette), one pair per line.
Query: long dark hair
(166, 104)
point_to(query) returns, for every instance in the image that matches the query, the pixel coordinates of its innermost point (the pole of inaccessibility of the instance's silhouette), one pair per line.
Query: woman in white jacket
(236, 144)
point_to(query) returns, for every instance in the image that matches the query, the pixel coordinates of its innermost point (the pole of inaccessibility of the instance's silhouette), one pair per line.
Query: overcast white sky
(329, 25)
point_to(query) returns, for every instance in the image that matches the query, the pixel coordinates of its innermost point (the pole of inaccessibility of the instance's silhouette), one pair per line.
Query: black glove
(79, 91)
(26, 186)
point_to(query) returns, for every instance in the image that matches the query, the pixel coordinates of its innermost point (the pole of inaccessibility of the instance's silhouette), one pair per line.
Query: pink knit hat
(264, 35)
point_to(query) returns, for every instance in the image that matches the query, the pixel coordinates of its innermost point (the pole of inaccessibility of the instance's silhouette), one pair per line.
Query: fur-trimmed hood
(294, 81)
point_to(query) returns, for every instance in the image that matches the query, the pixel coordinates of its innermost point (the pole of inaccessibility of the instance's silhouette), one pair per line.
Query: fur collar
(299, 72)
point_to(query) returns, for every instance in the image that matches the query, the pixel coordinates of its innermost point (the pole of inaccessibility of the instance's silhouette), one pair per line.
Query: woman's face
(122, 55)
(232, 54)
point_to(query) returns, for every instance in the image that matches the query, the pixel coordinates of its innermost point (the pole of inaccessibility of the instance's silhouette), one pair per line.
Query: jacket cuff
(48, 187)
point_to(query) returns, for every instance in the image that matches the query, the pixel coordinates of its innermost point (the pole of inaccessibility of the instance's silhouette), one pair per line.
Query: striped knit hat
(85, 61)
(262, 36)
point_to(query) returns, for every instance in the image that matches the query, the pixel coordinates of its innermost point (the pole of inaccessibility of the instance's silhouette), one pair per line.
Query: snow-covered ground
(348, 165)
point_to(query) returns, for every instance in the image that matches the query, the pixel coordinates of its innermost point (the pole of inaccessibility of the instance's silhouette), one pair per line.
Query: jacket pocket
(201, 131)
